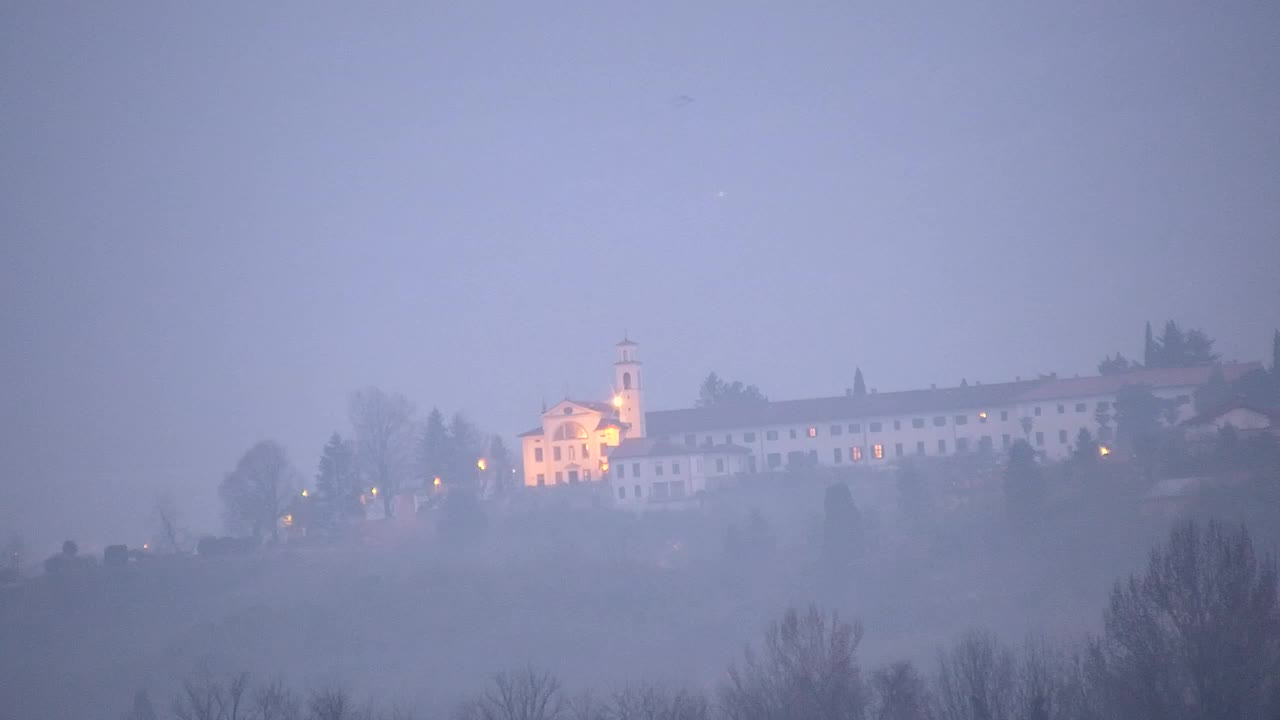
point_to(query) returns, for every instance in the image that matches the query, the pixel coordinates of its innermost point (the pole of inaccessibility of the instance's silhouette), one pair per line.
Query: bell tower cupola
(628, 388)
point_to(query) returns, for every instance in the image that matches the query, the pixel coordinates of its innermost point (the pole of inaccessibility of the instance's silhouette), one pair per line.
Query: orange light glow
(288, 520)
(617, 401)
(1103, 451)
(306, 493)
(146, 546)
(374, 492)
(982, 415)
(482, 464)
(604, 466)
(436, 481)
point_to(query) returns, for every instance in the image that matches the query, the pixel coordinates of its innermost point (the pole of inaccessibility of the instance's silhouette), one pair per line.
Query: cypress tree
(860, 386)
(1149, 348)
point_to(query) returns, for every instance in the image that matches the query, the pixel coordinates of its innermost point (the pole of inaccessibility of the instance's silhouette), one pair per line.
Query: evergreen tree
(499, 459)
(1024, 486)
(842, 531)
(859, 385)
(434, 448)
(715, 391)
(1149, 350)
(1086, 449)
(337, 498)
(1275, 357)
(1213, 393)
(255, 493)
(465, 448)
(1114, 366)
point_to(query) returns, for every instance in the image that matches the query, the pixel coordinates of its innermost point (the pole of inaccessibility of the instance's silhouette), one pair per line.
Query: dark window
(555, 453)
(537, 454)
(1061, 408)
(837, 456)
(603, 449)
(573, 476)
(690, 440)
(657, 469)
(1062, 436)
(837, 430)
(635, 469)
(559, 478)
(771, 435)
(962, 444)
(773, 460)
(1004, 441)
(897, 424)
(707, 441)
(876, 427)
(1004, 414)
(626, 381)
(675, 468)
(1080, 407)
(542, 479)
(1037, 413)
(622, 471)
(622, 492)
(920, 447)
(1104, 406)
(1040, 438)
(728, 439)
(749, 437)
(962, 419)
(719, 465)
(637, 490)
(939, 421)
(813, 457)
(897, 449)
(942, 447)
(855, 428)
(917, 423)
(793, 433)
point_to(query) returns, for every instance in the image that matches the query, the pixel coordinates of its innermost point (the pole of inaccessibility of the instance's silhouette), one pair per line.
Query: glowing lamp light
(306, 493)
(983, 415)
(482, 464)
(373, 492)
(146, 546)
(617, 401)
(436, 481)
(604, 466)
(288, 520)
(1103, 451)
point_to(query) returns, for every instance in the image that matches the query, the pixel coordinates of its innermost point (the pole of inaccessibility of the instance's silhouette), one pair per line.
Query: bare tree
(899, 693)
(208, 698)
(331, 704)
(808, 669)
(384, 434)
(255, 494)
(975, 680)
(654, 703)
(1197, 636)
(274, 701)
(526, 694)
(169, 536)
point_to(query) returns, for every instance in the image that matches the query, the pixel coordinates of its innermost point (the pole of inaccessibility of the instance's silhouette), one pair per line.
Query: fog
(222, 223)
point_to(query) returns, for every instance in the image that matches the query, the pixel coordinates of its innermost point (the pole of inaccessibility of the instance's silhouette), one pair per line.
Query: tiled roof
(1271, 413)
(658, 447)
(1155, 377)
(597, 406)
(908, 402)
(531, 433)
(608, 422)
(789, 412)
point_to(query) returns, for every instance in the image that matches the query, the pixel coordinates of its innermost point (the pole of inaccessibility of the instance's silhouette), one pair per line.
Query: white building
(581, 441)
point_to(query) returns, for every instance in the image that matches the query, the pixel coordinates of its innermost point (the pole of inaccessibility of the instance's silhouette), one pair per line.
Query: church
(664, 456)
(587, 440)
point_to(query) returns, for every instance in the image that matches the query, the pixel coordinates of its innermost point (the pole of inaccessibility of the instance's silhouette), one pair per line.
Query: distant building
(680, 451)
(1248, 419)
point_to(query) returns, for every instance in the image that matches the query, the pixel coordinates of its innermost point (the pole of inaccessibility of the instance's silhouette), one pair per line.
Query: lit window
(982, 416)
(877, 451)
(586, 451)
(812, 432)
(855, 454)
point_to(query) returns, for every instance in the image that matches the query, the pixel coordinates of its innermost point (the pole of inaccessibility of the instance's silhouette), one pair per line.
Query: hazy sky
(220, 218)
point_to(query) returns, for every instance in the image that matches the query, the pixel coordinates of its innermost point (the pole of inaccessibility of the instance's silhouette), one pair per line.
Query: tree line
(1196, 636)
(388, 451)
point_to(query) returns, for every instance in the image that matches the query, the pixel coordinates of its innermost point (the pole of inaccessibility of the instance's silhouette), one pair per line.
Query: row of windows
(660, 468)
(556, 454)
(658, 491)
(573, 476)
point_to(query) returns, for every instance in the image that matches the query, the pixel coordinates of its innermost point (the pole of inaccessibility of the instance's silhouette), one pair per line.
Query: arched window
(626, 381)
(570, 431)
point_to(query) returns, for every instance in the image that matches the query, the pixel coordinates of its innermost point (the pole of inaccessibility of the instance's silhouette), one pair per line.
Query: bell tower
(629, 392)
